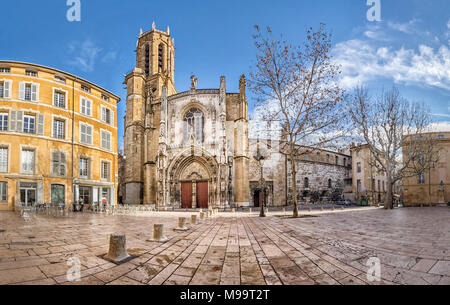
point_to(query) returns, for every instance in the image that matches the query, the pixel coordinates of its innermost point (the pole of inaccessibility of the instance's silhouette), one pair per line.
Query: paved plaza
(232, 248)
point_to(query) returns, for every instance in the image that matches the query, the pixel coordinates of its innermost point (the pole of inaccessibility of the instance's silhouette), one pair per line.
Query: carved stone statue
(194, 81)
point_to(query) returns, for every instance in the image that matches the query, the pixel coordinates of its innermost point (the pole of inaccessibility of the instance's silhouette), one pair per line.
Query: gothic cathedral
(182, 149)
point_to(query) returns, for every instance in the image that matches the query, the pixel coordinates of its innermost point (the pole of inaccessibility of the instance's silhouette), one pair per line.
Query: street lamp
(262, 184)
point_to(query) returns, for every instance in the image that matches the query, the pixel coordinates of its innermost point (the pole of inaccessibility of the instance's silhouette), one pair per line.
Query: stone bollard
(283, 210)
(181, 224)
(117, 249)
(233, 210)
(332, 208)
(200, 210)
(194, 219)
(210, 213)
(342, 208)
(249, 210)
(309, 210)
(321, 209)
(266, 211)
(202, 216)
(158, 233)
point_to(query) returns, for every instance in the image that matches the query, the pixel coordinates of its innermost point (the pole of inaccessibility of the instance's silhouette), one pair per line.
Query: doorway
(202, 195)
(186, 195)
(57, 194)
(28, 196)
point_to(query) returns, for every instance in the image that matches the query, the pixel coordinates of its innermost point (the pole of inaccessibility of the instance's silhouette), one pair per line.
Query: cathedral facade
(182, 149)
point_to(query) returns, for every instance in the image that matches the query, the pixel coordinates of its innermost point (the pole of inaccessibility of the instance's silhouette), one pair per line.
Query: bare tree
(297, 88)
(395, 131)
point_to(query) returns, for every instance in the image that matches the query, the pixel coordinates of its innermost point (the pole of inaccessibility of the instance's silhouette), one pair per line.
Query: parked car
(345, 202)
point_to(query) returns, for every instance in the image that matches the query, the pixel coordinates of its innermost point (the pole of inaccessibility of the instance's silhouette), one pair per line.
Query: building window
(106, 115)
(337, 160)
(5, 89)
(328, 158)
(193, 126)
(379, 186)
(60, 79)
(161, 57)
(3, 191)
(441, 137)
(85, 194)
(318, 157)
(306, 182)
(105, 98)
(59, 99)
(84, 168)
(106, 140)
(373, 184)
(307, 157)
(29, 123)
(5, 70)
(85, 134)
(105, 171)
(358, 186)
(421, 178)
(59, 129)
(3, 122)
(31, 73)
(147, 60)
(85, 88)
(86, 106)
(330, 183)
(4, 159)
(358, 167)
(58, 163)
(345, 162)
(28, 92)
(27, 161)
(384, 189)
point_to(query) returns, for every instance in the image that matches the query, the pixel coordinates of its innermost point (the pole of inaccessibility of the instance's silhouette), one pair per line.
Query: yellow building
(369, 184)
(432, 186)
(58, 137)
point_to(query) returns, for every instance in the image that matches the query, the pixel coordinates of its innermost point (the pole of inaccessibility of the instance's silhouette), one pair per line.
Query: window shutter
(21, 91)
(40, 192)
(12, 120)
(40, 124)
(89, 168)
(88, 107)
(7, 89)
(111, 113)
(55, 162)
(62, 162)
(34, 92)
(19, 121)
(89, 134)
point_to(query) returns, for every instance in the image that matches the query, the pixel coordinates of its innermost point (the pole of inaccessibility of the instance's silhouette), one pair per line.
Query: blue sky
(409, 47)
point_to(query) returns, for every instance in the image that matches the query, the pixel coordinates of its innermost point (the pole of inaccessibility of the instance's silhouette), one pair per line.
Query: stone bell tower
(155, 69)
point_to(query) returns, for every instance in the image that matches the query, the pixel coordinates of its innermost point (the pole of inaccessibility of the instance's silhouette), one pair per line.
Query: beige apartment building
(58, 137)
(432, 186)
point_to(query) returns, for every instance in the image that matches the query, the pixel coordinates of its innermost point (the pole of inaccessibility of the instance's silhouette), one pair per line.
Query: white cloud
(109, 57)
(83, 55)
(440, 127)
(407, 27)
(362, 62)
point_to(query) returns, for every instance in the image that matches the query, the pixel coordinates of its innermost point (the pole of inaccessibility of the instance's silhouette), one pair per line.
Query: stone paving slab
(232, 248)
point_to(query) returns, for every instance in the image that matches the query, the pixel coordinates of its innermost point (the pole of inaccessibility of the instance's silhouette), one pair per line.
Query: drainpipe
(73, 138)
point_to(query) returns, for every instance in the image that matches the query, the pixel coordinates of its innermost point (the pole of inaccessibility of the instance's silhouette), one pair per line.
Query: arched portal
(193, 179)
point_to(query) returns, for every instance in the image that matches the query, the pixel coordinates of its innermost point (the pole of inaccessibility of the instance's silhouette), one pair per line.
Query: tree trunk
(388, 204)
(294, 185)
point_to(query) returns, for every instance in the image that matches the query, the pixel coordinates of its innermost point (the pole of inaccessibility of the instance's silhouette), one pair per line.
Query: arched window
(329, 183)
(194, 122)
(161, 57)
(306, 183)
(147, 60)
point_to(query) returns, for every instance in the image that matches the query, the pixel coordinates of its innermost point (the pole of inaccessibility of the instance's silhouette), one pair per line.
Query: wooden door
(202, 195)
(256, 199)
(186, 195)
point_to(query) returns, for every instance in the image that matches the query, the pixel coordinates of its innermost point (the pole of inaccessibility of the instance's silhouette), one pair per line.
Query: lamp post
(262, 183)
